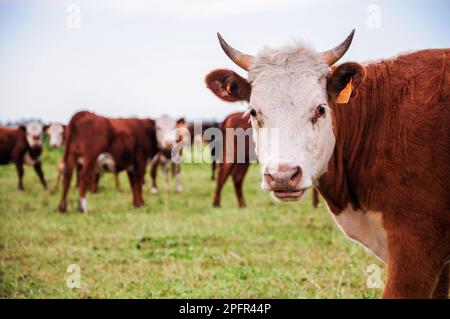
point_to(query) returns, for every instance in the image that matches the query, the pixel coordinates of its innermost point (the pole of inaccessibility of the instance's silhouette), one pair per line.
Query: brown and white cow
(22, 145)
(129, 143)
(373, 138)
(56, 133)
(170, 138)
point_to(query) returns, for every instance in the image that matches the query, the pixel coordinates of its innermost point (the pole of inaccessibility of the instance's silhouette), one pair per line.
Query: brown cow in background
(56, 133)
(21, 146)
(229, 163)
(129, 142)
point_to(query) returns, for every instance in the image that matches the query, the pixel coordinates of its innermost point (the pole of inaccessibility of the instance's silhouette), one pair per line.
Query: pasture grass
(176, 246)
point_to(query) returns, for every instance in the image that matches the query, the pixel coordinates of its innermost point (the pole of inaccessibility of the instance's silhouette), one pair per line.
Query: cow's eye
(320, 111)
(252, 112)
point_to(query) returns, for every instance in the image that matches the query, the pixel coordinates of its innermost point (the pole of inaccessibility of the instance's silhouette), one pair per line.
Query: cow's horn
(241, 59)
(332, 56)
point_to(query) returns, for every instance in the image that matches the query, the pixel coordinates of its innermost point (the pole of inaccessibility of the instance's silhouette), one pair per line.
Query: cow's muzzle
(285, 182)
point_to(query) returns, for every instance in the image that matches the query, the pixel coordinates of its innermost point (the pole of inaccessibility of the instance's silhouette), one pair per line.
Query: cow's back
(87, 133)
(139, 134)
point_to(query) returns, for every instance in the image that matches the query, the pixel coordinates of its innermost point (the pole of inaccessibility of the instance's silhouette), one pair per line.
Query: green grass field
(177, 246)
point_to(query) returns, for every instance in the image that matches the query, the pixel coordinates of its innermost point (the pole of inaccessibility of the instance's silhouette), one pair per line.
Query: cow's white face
(166, 132)
(56, 133)
(289, 91)
(291, 119)
(34, 134)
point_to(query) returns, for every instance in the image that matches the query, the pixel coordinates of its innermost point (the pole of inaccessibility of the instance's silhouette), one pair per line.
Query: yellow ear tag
(228, 88)
(344, 95)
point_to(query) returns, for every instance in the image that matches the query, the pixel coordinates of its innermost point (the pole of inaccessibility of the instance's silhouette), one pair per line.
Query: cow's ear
(23, 128)
(181, 121)
(228, 85)
(45, 127)
(344, 81)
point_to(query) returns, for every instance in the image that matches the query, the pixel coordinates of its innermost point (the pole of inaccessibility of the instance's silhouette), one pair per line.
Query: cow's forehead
(55, 128)
(165, 121)
(296, 61)
(34, 128)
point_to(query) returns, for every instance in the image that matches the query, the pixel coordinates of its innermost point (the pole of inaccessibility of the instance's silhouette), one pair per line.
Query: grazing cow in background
(56, 133)
(129, 143)
(373, 138)
(200, 138)
(169, 136)
(20, 146)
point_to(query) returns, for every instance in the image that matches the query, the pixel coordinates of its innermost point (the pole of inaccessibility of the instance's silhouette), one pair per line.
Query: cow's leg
(213, 173)
(87, 177)
(133, 183)
(443, 285)
(78, 169)
(414, 263)
(166, 169)
(95, 181)
(238, 179)
(178, 186)
(117, 181)
(173, 168)
(67, 176)
(153, 173)
(58, 180)
(315, 198)
(139, 180)
(19, 168)
(224, 172)
(38, 169)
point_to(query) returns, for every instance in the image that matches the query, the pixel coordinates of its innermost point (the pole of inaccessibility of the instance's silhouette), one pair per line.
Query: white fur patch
(34, 134)
(166, 131)
(287, 87)
(84, 205)
(56, 133)
(105, 163)
(365, 228)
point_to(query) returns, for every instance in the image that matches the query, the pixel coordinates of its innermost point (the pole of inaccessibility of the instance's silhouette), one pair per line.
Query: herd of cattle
(372, 138)
(94, 145)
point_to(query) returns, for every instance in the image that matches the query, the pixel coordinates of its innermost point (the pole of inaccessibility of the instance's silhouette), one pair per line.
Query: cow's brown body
(14, 148)
(392, 156)
(229, 164)
(131, 142)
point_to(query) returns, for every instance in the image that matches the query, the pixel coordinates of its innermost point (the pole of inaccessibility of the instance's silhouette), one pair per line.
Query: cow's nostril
(296, 175)
(268, 177)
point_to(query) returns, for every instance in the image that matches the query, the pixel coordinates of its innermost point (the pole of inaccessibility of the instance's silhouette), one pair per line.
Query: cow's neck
(358, 130)
(348, 185)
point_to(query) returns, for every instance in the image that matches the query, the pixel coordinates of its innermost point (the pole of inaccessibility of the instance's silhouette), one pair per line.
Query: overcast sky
(145, 58)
